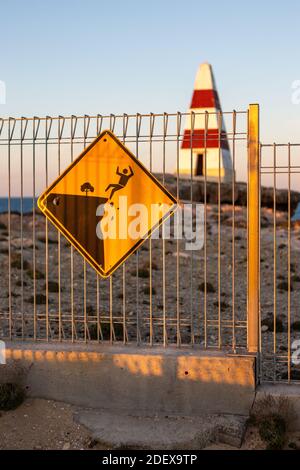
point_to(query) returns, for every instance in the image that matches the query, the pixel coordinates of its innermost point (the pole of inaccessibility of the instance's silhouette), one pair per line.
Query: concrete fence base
(138, 380)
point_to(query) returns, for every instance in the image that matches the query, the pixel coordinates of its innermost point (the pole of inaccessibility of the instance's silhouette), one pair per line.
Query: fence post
(253, 228)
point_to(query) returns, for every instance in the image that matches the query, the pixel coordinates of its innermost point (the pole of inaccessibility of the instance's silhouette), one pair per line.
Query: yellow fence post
(253, 228)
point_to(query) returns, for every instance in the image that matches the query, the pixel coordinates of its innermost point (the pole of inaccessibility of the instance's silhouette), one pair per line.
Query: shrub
(272, 416)
(11, 396)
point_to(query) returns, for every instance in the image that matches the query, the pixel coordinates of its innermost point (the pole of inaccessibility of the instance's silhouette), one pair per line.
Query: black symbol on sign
(124, 178)
(86, 188)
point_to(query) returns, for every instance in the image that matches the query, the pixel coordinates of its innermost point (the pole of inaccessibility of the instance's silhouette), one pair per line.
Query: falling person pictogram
(124, 178)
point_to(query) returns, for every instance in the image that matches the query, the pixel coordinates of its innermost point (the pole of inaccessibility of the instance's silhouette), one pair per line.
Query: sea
(17, 205)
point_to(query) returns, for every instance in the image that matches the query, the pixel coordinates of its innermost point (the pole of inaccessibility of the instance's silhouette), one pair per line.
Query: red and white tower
(205, 139)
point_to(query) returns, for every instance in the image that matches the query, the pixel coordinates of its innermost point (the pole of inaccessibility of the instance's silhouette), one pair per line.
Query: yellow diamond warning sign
(106, 203)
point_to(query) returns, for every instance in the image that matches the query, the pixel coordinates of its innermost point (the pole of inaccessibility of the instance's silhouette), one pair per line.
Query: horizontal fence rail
(163, 294)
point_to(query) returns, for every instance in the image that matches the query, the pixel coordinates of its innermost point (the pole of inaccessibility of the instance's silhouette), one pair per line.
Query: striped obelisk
(205, 140)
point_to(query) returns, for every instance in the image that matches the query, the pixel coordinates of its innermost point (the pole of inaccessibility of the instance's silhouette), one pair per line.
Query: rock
(269, 322)
(38, 274)
(209, 287)
(18, 243)
(52, 286)
(146, 290)
(92, 443)
(41, 237)
(264, 328)
(264, 222)
(223, 305)
(153, 265)
(18, 283)
(284, 286)
(66, 446)
(17, 262)
(181, 254)
(91, 310)
(292, 267)
(239, 222)
(40, 299)
(295, 375)
(142, 273)
(296, 325)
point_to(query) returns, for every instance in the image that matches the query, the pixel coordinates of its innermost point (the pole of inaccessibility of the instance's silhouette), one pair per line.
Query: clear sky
(88, 56)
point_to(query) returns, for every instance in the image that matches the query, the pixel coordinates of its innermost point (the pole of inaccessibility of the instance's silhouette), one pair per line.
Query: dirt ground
(48, 425)
(43, 425)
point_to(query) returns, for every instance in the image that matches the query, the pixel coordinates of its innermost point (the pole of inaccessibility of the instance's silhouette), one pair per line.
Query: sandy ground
(45, 425)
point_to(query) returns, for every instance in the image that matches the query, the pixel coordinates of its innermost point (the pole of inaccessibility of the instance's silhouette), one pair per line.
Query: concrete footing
(173, 381)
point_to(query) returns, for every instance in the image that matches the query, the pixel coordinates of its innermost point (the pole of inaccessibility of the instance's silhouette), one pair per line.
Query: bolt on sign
(106, 203)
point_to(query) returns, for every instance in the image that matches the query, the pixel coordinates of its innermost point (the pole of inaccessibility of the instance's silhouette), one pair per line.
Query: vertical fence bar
(253, 228)
(191, 198)
(274, 260)
(151, 130)
(178, 319)
(36, 125)
(165, 333)
(233, 231)
(205, 228)
(289, 263)
(219, 119)
(24, 123)
(48, 126)
(10, 135)
(72, 136)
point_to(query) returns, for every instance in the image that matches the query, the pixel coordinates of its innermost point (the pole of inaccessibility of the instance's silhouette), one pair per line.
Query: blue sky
(87, 56)
(127, 56)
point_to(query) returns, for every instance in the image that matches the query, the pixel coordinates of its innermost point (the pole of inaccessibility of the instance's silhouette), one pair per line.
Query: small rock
(223, 305)
(295, 375)
(269, 322)
(181, 255)
(39, 298)
(146, 290)
(18, 243)
(296, 325)
(142, 273)
(19, 283)
(66, 446)
(293, 445)
(41, 237)
(17, 262)
(92, 443)
(284, 286)
(53, 286)
(38, 274)
(264, 328)
(209, 287)
(91, 310)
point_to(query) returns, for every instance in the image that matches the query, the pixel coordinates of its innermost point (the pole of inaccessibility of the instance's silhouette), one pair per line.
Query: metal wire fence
(280, 245)
(163, 294)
